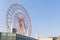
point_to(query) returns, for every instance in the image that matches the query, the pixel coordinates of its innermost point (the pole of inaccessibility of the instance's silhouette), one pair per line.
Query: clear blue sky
(44, 14)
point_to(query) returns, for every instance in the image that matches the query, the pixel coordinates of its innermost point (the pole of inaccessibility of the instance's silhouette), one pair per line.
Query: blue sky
(44, 14)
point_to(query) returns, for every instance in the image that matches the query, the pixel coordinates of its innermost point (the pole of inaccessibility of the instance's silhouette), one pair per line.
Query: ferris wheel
(17, 17)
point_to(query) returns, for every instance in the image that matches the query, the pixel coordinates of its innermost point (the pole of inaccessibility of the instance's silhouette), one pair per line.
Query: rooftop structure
(13, 36)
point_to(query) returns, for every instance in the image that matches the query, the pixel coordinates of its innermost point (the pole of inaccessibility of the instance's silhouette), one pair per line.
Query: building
(45, 39)
(58, 38)
(13, 36)
(49, 38)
